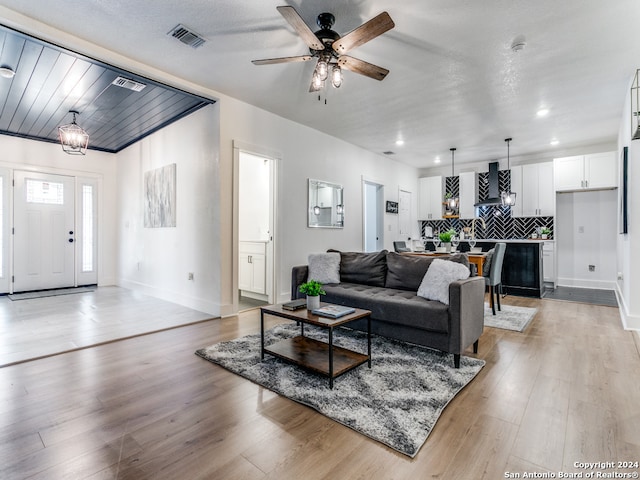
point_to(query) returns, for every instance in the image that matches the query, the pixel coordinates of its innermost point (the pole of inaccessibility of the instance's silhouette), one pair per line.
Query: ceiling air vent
(128, 84)
(186, 36)
(388, 152)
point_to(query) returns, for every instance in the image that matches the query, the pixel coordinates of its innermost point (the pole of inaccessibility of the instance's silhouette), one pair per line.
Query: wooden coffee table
(314, 355)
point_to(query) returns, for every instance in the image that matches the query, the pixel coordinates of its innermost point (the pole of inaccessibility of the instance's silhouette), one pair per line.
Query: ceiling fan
(330, 48)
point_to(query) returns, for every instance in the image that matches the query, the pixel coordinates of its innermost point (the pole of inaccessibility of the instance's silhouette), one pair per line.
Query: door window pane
(87, 228)
(39, 191)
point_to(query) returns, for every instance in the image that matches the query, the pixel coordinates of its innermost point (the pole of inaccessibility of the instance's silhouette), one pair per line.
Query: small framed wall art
(392, 207)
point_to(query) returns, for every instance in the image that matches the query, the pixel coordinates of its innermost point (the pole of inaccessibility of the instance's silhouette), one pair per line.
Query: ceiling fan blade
(271, 61)
(295, 20)
(363, 68)
(365, 32)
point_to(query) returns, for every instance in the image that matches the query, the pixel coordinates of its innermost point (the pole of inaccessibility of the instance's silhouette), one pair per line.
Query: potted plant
(445, 238)
(313, 290)
(545, 232)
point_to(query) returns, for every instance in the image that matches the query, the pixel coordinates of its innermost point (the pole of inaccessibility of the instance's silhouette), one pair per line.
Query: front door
(44, 228)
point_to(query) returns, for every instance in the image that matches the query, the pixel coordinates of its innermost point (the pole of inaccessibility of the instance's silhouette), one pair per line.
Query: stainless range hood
(494, 187)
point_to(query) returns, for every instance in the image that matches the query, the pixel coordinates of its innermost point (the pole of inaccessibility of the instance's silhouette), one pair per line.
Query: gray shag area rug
(396, 402)
(509, 318)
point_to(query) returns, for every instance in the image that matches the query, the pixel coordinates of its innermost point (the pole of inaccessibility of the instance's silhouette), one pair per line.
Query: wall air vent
(128, 84)
(187, 36)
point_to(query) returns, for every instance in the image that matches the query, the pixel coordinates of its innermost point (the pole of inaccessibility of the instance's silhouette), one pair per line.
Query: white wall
(629, 245)
(254, 198)
(303, 153)
(585, 232)
(157, 261)
(21, 154)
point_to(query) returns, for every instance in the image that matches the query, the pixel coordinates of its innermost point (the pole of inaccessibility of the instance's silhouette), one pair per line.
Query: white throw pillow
(324, 267)
(435, 283)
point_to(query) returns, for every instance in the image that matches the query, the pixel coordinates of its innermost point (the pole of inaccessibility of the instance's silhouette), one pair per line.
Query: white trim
(582, 283)
(629, 322)
(273, 258)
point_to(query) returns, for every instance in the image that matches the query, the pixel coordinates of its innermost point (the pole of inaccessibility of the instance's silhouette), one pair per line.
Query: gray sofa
(386, 283)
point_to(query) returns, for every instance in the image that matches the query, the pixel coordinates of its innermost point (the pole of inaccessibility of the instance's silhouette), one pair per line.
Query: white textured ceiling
(454, 79)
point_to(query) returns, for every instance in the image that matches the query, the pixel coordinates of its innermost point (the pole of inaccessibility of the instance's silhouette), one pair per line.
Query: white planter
(313, 302)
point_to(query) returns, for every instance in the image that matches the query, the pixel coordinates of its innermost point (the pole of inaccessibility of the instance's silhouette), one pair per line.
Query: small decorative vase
(313, 302)
(544, 236)
(447, 247)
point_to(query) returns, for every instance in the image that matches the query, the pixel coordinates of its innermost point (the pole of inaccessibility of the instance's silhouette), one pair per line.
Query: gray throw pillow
(324, 267)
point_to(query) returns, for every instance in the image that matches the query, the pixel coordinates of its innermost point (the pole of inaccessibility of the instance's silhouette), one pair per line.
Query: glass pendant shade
(73, 138)
(508, 199)
(336, 76)
(322, 69)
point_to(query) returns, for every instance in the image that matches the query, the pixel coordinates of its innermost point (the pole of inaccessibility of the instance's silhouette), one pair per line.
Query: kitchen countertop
(505, 240)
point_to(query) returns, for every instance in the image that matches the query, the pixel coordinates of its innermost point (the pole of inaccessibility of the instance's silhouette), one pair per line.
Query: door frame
(272, 246)
(9, 168)
(379, 213)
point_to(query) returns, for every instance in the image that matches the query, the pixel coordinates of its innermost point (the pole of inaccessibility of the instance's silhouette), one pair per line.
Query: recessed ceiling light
(437, 160)
(554, 141)
(543, 112)
(399, 142)
(6, 72)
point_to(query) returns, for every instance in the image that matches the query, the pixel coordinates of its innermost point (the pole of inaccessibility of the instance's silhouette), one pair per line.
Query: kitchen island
(522, 272)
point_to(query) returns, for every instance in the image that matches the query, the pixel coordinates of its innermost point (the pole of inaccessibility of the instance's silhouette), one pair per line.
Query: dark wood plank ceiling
(50, 81)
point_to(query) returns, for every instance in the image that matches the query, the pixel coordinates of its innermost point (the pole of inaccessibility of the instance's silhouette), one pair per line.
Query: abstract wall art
(160, 197)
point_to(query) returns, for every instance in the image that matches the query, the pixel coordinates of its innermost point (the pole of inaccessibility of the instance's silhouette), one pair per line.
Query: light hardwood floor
(566, 390)
(49, 325)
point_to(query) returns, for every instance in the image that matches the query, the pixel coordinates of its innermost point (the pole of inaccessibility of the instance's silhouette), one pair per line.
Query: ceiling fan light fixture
(322, 69)
(336, 76)
(316, 81)
(73, 138)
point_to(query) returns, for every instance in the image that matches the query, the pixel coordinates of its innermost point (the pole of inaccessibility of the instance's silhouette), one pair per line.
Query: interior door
(44, 228)
(373, 219)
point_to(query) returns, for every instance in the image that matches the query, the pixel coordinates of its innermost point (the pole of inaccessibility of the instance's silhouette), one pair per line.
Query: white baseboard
(585, 283)
(629, 322)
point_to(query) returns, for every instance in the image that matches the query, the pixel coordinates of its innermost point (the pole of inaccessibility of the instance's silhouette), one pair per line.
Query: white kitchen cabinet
(252, 268)
(430, 198)
(596, 171)
(533, 185)
(467, 195)
(549, 262)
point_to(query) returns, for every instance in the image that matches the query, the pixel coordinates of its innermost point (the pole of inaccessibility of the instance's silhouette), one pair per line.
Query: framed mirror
(326, 207)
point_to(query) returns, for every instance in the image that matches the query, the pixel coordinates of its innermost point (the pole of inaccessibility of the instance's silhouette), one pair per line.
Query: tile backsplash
(500, 224)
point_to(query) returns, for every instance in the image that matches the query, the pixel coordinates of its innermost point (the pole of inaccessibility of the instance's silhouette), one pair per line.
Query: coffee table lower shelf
(314, 355)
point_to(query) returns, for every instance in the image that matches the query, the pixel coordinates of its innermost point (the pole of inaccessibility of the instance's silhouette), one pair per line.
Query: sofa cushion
(363, 268)
(405, 272)
(435, 284)
(391, 305)
(324, 267)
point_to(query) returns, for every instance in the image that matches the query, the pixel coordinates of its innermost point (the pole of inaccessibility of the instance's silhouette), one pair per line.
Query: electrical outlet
(190, 276)
(592, 268)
